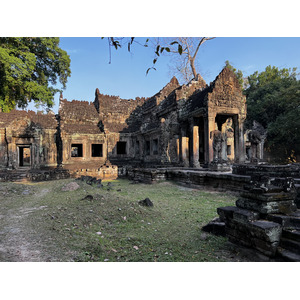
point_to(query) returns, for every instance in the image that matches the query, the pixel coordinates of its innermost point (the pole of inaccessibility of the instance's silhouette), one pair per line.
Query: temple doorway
(24, 156)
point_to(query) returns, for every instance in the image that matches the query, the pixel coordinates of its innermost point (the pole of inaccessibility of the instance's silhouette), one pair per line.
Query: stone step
(291, 234)
(288, 255)
(290, 245)
(215, 226)
(287, 221)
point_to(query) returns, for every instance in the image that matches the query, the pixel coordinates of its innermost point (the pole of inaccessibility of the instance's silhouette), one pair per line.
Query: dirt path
(18, 242)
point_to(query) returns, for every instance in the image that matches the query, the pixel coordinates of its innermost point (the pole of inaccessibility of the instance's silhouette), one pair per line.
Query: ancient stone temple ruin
(194, 125)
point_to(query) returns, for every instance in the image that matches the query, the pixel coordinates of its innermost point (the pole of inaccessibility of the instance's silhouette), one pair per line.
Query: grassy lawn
(113, 227)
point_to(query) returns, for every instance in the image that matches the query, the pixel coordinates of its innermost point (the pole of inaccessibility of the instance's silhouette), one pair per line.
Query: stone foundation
(265, 219)
(189, 177)
(45, 175)
(108, 172)
(291, 170)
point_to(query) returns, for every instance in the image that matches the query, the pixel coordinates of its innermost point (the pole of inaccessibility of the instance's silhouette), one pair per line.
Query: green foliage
(273, 99)
(28, 68)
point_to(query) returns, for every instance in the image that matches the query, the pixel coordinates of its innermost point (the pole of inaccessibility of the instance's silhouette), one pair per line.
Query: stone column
(209, 126)
(185, 151)
(184, 147)
(177, 148)
(195, 148)
(242, 149)
(236, 138)
(239, 147)
(224, 147)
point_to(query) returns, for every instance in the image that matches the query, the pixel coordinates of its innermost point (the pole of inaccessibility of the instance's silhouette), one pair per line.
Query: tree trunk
(192, 63)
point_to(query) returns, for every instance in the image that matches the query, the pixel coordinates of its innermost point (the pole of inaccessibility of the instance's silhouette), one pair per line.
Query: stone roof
(78, 117)
(46, 121)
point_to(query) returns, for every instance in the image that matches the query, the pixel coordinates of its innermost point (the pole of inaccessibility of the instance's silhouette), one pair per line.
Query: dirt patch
(48, 224)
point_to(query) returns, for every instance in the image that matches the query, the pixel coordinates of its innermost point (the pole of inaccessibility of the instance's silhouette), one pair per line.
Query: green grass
(114, 227)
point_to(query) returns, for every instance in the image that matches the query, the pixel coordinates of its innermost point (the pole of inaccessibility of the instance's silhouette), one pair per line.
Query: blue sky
(126, 75)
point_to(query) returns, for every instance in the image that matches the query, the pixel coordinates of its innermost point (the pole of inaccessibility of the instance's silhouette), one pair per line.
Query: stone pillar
(185, 151)
(239, 147)
(242, 149)
(236, 138)
(184, 147)
(209, 126)
(195, 148)
(224, 147)
(178, 148)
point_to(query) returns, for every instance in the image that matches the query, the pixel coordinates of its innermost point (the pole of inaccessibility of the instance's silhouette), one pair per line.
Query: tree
(273, 99)
(29, 68)
(186, 47)
(238, 73)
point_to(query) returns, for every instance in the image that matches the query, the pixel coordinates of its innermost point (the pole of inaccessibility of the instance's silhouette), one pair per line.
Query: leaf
(179, 49)
(136, 247)
(173, 43)
(157, 50)
(167, 49)
(154, 60)
(150, 69)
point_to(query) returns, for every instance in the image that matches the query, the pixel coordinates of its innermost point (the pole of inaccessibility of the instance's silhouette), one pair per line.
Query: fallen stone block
(146, 202)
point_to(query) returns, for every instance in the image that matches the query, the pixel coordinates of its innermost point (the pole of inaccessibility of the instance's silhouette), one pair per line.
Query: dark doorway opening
(24, 156)
(147, 145)
(155, 147)
(121, 147)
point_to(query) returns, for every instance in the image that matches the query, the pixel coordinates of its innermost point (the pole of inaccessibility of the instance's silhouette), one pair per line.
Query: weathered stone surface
(72, 186)
(267, 207)
(226, 213)
(245, 216)
(266, 230)
(266, 248)
(290, 244)
(268, 197)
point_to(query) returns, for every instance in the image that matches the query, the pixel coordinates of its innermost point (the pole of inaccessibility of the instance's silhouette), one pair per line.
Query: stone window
(147, 150)
(76, 150)
(121, 147)
(137, 147)
(97, 150)
(155, 147)
(228, 149)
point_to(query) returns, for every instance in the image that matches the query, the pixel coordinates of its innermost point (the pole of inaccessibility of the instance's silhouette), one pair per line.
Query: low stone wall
(215, 180)
(147, 175)
(190, 177)
(291, 170)
(45, 175)
(104, 172)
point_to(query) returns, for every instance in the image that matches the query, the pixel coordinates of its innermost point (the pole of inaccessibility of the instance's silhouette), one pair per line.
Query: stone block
(268, 197)
(237, 237)
(266, 230)
(264, 247)
(226, 213)
(216, 227)
(290, 245)
(245, 216)
(284, 207)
